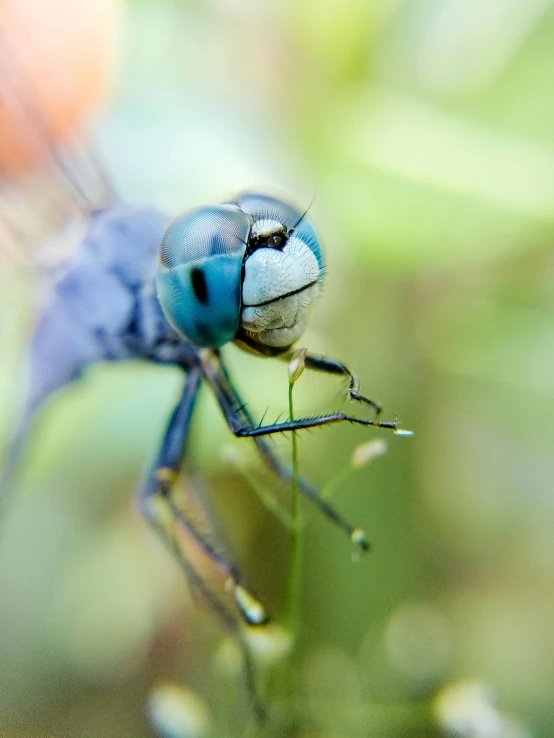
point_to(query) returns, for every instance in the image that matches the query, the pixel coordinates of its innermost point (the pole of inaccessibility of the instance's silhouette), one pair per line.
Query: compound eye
(199, 276)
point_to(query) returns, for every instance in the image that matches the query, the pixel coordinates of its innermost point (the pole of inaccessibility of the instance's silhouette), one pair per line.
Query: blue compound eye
(199, 275)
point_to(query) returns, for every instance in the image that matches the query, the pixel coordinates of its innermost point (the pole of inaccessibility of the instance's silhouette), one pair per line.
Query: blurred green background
(423, 131)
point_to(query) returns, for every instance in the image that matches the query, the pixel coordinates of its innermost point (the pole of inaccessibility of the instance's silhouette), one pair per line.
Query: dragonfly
(144, 286)
(174, 292)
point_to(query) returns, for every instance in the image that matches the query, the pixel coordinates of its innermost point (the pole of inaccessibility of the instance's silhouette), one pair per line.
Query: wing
(50, 89)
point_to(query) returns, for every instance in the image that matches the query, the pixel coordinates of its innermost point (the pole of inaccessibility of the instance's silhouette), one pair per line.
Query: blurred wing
(48, 177)
(56, 60)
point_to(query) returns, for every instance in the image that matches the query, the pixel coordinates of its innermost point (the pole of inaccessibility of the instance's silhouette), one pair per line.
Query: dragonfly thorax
(247, 271)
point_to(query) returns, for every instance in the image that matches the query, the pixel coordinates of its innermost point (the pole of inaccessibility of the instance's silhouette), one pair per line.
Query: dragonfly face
(247, 270)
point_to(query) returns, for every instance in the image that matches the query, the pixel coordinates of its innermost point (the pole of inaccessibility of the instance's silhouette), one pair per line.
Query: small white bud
(367, 452)
(297, 364)
(176, 712)
(270, 644)
(467, 710)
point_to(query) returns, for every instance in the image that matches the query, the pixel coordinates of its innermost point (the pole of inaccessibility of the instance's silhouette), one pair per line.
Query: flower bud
(269, 645)
(366, 452)
(296, 364)
(176, 712)
(467, 710)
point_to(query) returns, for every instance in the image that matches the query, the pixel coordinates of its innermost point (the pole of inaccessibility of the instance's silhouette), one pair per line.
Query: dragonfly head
(247, 270)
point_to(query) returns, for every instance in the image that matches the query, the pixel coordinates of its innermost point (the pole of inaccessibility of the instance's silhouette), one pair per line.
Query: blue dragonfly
(174, 292)
(143, 286)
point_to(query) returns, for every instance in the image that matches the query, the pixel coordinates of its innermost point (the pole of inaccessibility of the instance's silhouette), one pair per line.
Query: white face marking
(282, 322)
(273, 273)
(271, 314)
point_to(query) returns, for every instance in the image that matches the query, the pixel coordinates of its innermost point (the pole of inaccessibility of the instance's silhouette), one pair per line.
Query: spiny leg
(273, 461)
(198, 583)
(230, 405)
(331, 366)
(357, 535)
(241, 424)
(164, 515)
(160, 508)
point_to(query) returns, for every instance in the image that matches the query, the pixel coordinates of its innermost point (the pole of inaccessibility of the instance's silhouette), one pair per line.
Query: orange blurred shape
(56, 63)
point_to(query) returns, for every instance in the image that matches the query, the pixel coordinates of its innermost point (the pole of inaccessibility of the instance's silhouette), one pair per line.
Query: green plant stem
(295, 567)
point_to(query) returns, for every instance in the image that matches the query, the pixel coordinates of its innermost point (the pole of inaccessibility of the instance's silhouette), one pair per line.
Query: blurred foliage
(423, 131)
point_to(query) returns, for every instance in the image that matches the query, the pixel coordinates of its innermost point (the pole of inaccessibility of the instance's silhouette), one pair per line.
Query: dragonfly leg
(241, 424)
(164, 514)
(161, 509)
(198, 583)
(356, 535)
(331, 366)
